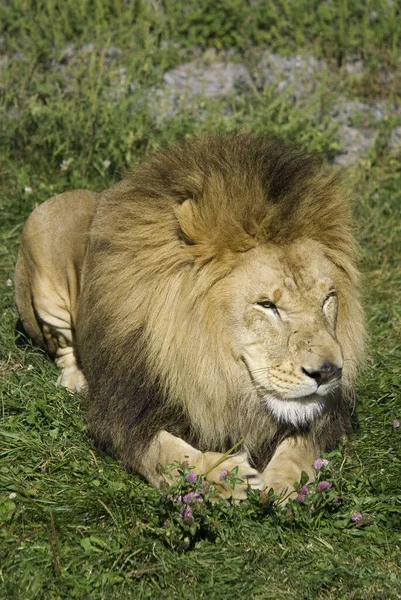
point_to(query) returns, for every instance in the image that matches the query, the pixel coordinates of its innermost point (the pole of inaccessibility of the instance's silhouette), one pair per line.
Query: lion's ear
(188, 218)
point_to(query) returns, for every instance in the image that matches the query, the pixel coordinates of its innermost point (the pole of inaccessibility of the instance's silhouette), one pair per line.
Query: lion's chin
(300, 411)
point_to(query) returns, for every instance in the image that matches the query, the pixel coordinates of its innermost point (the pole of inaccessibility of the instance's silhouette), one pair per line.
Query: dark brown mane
(250, 188)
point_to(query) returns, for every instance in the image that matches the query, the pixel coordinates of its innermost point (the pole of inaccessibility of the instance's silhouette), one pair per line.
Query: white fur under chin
(295, 412)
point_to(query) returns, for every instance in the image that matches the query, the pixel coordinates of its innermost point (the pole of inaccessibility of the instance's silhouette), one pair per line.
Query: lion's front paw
(285, 489)
(73, 379)
(216, 474)
(282, 482)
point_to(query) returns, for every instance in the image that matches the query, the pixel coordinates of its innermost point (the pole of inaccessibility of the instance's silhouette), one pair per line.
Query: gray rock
(184, 86)
(346, 111)
(210, 80)
(355, 142)
(358, 127)
(301, 73)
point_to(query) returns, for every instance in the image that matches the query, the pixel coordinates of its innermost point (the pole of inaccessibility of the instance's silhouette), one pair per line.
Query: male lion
(209, 298)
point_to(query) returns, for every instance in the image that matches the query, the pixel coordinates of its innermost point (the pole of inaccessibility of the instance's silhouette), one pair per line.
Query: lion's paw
(73, 379)
(282, 482)
(249, 476)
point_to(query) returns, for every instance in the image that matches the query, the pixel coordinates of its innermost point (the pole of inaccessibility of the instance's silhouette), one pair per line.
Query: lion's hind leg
(46, 314)
(55, 320)
(48, 277)
(71, 376)
(46, 306)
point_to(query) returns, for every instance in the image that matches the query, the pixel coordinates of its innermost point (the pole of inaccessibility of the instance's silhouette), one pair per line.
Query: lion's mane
(151, 349)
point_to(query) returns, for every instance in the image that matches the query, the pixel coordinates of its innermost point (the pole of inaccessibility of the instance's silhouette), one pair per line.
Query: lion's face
(282, 305)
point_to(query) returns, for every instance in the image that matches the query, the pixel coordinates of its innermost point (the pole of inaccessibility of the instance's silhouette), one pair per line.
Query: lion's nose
(325, 373)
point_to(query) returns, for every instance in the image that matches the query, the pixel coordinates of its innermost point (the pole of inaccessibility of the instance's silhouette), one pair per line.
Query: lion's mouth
(300, 392)
(305, 393)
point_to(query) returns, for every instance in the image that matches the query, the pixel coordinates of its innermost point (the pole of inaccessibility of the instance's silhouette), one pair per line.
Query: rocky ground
(357, 121)
(212, 75)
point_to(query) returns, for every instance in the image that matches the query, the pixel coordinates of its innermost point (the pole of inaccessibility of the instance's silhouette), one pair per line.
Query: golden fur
(220, 303)
(48, 277)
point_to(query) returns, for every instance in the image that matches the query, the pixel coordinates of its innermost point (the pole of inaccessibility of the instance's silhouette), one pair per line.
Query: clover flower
(301, 494)
(223, 474)
(396, 424)
(191, 496)
(186, 512)
(323, 485)
(356, 517)
(191, 477)
(174, 498)
(320, 462)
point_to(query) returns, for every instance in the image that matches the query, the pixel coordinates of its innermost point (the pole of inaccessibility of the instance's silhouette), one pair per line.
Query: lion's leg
(59, 337)
(45, 307)
(48, 277)
(166, 448)
(71, 376)
(294, 455)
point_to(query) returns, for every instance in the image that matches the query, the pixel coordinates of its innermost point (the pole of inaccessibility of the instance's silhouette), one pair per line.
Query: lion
(208, 300)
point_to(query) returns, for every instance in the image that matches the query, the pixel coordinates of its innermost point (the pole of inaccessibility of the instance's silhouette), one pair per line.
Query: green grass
(73, 523)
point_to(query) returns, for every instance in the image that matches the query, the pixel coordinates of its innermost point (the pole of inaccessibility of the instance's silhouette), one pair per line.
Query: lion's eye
(330, 295)
(330, 307)
(268, 304)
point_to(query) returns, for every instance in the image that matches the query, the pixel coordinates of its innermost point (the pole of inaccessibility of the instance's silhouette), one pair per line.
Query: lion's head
(280, 305)
(221, 275)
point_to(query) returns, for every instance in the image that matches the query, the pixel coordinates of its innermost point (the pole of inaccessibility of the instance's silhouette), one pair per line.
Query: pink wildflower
(323, 485)
(191, 496)
(175, 498)
(396, 423)
(356, 517)
(320, 462)
(186, 513)
(300, 498)
(223, 474)
(191, 477)
(303, 490)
